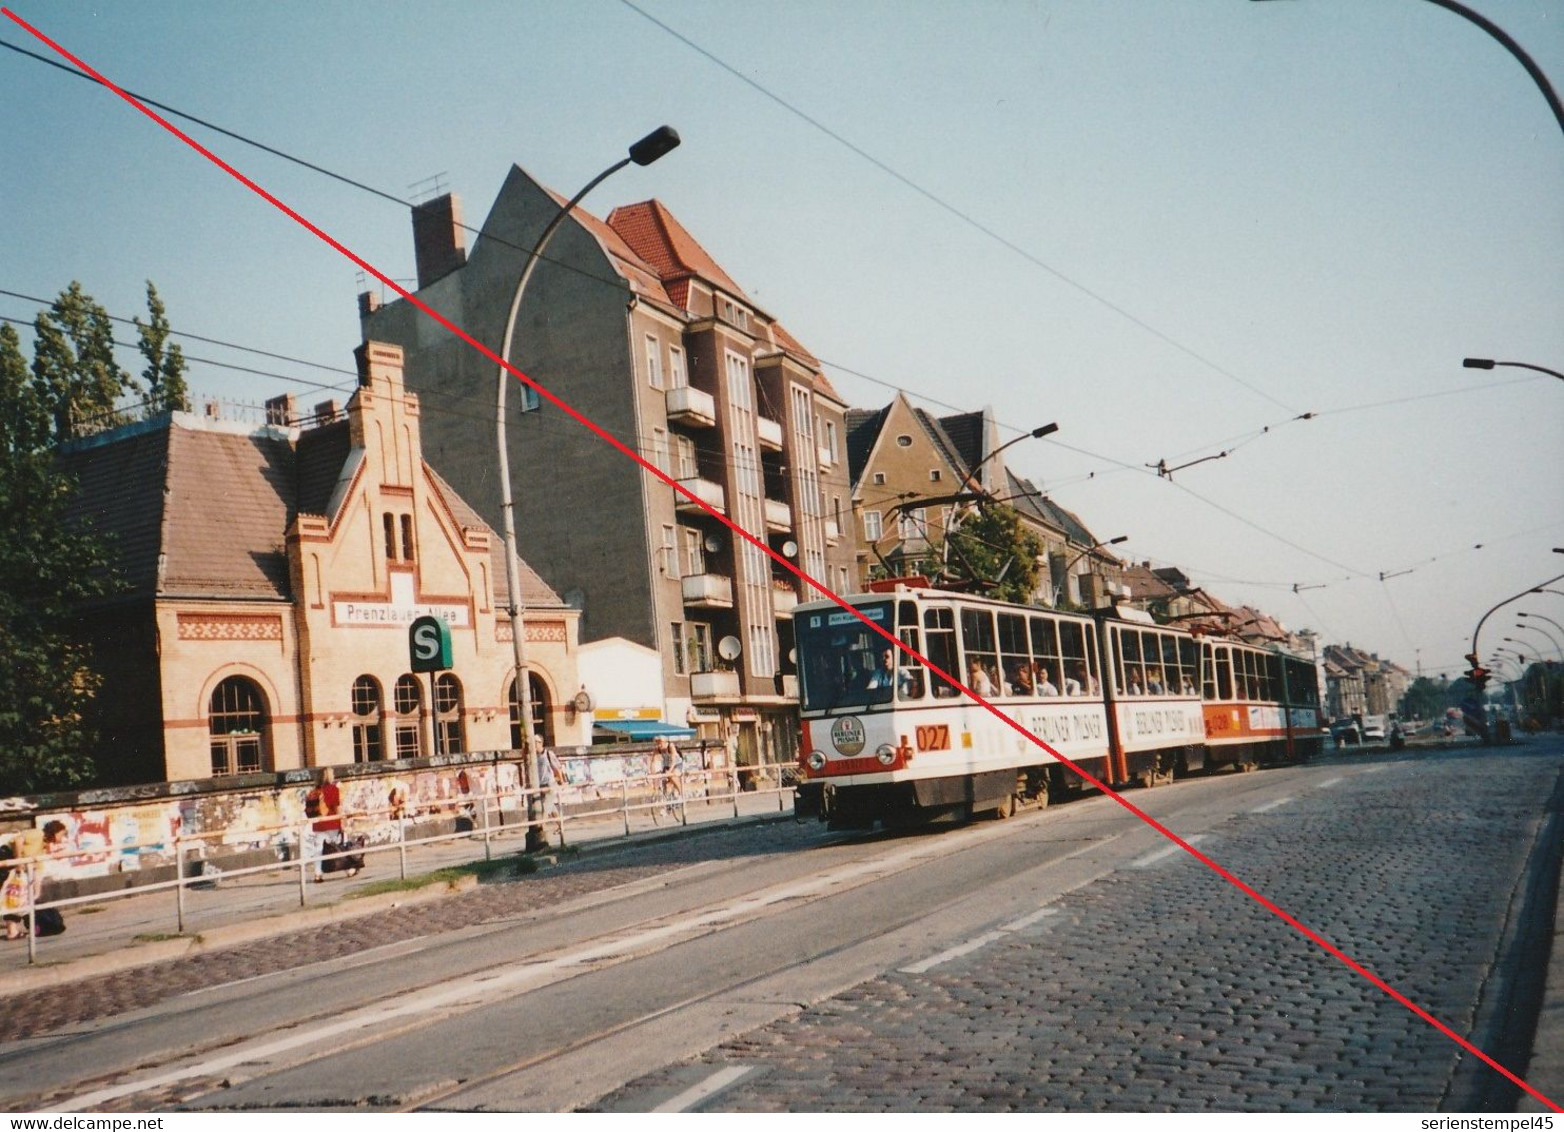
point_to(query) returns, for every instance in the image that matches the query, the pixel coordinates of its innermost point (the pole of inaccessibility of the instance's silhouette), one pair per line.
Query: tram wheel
(1006, 807)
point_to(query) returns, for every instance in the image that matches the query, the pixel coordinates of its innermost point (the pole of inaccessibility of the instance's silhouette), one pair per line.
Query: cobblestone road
(1162, 988)
(40, 1012)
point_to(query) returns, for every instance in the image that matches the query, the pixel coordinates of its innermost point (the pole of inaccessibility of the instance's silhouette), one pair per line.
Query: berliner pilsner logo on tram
(847, 735)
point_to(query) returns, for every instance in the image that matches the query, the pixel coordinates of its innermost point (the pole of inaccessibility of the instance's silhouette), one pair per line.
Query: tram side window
(1151, 652)
(1045, 665)
(1243, 669)
(1170, 674)
(977, 644)
(1189, 667)
(909, 676)
(939, 639)
(1273, 677)
(1080, 665)
(1208, 672)
(1015, 659)
(1133, 682)
(1224, 674)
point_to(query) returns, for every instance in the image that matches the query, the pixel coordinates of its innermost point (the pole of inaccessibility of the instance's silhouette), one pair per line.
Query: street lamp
(1521, 625)
(1549, 620)
(654, 145)
(1514, 49)
(1036, 434)
(1489, 363)
(1068, 566)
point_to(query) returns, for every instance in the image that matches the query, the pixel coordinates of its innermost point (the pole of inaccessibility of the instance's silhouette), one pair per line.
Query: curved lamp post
(654, 145)
(1489, 363)
(1522, 626)
(1036, 434)
(1094, 546)
(1549, 620)
(1514, 49)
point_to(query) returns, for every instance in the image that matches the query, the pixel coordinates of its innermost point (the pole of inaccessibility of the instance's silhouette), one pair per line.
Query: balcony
(833, 530)
(783, 600)
(769, 432)
(714, 686)
(827, 458)
(790, 687)
(707, 591)
(779, 516)
(689, 406)
(707, 492)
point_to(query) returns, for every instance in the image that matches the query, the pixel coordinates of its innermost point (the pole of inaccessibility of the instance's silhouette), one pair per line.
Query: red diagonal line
(1285, 916)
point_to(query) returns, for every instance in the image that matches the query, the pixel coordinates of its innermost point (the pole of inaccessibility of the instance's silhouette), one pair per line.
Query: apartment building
(634, 324)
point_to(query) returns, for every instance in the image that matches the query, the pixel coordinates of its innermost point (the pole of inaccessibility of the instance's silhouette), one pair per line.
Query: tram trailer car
(1261, 705)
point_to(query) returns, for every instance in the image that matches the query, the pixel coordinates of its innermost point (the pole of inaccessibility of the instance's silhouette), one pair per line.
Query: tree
(165, 372)
(46, 570)
(1427, 699)
(74, 370)
(993, 551)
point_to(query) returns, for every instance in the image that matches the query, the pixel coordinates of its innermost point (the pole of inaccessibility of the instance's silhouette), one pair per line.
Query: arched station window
(368, 726)
(409, 697)
(448, 736)
(542, 718)
(236, 727)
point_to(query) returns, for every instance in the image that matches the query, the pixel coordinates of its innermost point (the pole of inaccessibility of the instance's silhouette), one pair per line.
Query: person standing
(324, 805)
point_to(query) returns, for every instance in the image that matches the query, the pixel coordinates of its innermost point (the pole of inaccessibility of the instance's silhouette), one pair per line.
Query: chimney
(279, 410)
(325, 412)
(368, 303)
(439, 242)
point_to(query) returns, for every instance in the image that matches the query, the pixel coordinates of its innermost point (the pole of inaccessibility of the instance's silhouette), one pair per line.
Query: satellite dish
(790, 549)
(728, 648)
(713, 543)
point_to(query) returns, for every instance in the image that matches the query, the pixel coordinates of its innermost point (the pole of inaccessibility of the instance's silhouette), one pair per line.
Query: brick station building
(270, 575)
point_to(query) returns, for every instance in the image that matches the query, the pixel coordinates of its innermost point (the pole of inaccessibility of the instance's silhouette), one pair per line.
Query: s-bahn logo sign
(847, 735)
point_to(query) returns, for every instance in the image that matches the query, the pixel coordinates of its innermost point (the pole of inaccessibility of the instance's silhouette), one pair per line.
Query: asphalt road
(1066, 959)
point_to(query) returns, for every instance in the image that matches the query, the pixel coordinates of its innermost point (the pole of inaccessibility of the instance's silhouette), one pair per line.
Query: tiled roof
(944, 443)
(321, 454)
(1145, 585)
(662, 242)
(119, 495)
(863, 429)
(965, 431)
(645, 280)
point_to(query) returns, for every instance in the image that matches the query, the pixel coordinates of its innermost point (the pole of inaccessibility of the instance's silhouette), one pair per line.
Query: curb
(130, 956)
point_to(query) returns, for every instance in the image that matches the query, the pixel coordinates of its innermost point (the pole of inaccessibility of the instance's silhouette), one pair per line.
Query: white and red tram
(884, 739)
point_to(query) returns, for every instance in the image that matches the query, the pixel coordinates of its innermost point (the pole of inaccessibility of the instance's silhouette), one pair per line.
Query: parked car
(1373, 733)
(1345, 731)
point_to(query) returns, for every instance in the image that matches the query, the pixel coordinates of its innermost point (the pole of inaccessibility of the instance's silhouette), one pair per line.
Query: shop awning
(634, 729)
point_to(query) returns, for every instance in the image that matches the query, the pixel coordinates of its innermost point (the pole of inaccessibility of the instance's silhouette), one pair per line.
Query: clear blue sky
(1227, 214)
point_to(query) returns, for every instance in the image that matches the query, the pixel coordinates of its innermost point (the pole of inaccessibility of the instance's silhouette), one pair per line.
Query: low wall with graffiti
(122, 837)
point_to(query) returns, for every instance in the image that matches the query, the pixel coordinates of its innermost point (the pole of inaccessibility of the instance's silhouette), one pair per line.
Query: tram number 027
(935, 737)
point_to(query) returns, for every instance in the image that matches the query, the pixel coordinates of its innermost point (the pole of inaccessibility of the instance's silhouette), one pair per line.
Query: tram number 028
(935, 737)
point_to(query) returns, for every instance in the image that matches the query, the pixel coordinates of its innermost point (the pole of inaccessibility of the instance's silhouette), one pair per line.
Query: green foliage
(1427, 699)
(165, 372)
(74, 371)
(992, 552)
(47, 567)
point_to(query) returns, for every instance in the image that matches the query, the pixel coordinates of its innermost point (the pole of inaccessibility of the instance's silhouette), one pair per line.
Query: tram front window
(842, 663)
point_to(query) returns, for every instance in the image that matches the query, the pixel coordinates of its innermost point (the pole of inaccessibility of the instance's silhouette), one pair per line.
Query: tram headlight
(885, 753)
(816, 760)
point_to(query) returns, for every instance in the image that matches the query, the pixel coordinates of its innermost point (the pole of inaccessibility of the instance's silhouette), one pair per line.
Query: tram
(884, 739)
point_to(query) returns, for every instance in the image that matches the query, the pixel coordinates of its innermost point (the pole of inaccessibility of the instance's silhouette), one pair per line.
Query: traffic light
(1479, 677)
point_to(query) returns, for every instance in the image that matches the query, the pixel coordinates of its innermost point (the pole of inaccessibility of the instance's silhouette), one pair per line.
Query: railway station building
(270, 571)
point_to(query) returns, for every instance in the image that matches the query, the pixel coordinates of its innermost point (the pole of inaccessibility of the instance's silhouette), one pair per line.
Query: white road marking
(1372, 770)
(956, 952)
(1028, 921)
(1165, 852)
(1270, 805)
(484, 988)
(1327, 784)
(697, 1093)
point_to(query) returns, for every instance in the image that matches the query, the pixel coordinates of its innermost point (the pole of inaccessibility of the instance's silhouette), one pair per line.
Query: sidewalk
(116, 932)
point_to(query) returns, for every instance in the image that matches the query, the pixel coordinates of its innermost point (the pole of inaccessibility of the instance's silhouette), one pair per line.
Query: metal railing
(641, 803)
